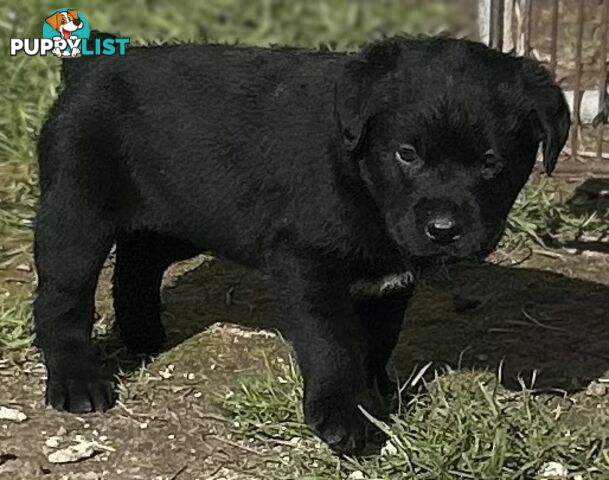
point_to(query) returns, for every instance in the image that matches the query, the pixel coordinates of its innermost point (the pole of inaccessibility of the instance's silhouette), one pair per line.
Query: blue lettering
(108, 47)
(84, 50)
(122, 44)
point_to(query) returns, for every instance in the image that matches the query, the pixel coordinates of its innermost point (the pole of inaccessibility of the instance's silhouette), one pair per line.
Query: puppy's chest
(385, 285)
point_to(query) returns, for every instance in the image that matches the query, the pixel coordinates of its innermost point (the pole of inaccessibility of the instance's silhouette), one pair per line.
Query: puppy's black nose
(442, 230)
(76, 21)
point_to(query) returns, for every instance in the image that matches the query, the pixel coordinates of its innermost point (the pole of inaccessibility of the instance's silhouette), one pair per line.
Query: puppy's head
(65, 22)
(444, 134)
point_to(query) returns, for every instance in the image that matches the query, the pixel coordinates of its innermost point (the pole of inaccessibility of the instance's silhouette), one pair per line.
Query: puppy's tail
(72, 68)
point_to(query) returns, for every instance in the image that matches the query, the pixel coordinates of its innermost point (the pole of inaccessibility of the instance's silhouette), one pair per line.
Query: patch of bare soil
(548, 315)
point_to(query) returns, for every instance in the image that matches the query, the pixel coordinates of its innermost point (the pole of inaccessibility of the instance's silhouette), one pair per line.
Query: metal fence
(570, 37)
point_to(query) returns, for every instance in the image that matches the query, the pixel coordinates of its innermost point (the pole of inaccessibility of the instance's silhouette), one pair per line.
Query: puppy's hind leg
(141, 259)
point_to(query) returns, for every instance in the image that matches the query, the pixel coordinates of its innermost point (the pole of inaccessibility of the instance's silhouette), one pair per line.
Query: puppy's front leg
(383, 317)
(330, 344)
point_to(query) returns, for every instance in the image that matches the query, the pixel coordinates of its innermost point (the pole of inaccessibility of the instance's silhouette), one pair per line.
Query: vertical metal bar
(528, 22)
(554, 44)
(496, 33)
(577, 94)
(484, 21)
(508, 23)
(602, 77)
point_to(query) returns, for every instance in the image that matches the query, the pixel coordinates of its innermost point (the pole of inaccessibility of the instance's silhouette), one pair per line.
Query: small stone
(595, 389)
(144, 425)
(553, 470)
(73, 453)
(12, 414)
(61, 431)
(389, 449)
(357, 475)
(53, 442)
(295, 441)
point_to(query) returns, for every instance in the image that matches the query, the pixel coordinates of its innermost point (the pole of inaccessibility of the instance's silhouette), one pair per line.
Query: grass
(542, 216)
(460, 425)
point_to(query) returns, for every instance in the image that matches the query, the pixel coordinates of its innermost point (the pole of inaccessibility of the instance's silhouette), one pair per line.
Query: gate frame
(588, 107)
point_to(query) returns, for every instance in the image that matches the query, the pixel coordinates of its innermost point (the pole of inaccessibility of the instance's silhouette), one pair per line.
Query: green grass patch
(543, 216)
(461, 425)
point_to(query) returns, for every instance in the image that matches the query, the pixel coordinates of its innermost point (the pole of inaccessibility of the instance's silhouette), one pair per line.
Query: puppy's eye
(492, 165)
(63, 20)
(406, 153)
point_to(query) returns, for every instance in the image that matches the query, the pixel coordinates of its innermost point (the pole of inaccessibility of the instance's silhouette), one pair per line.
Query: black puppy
(339, 175)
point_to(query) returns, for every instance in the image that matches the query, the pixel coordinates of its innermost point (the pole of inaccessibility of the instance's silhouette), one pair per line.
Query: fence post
(495, 23)
(484, 21)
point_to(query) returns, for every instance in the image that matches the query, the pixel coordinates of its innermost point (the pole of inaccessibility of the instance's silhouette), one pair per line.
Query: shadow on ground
(525, 319)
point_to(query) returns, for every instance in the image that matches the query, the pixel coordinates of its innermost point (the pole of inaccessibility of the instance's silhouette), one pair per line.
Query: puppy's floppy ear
(355, 99)
(550, 109)
(73, 13)
(352, 95)
(54, 20)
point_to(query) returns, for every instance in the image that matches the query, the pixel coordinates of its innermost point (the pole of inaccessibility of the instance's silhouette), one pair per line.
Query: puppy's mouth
(66, 31)
(448, 255)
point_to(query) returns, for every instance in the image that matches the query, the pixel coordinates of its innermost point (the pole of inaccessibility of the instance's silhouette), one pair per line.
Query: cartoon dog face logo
(66, 23)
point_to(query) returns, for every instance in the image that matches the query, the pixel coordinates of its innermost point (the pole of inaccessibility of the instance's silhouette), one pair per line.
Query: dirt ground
(548, 315)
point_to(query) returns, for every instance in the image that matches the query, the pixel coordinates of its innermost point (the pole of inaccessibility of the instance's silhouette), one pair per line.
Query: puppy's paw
(79, 395)
(74, 383)
(339, 423)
